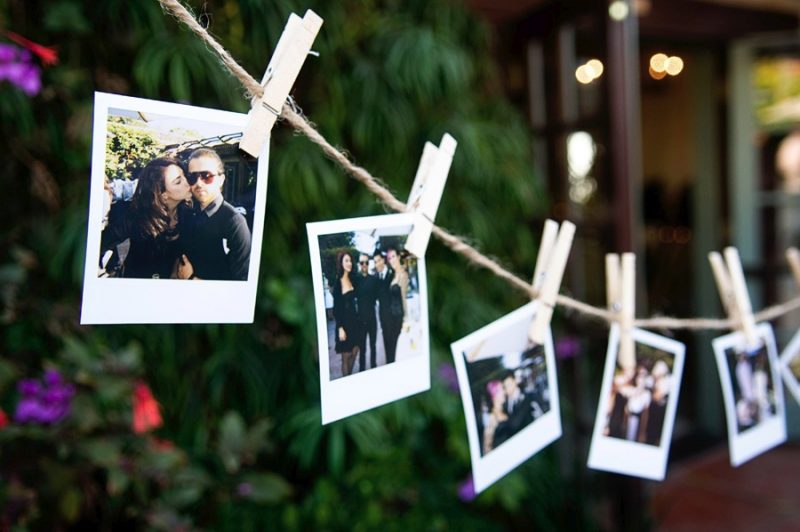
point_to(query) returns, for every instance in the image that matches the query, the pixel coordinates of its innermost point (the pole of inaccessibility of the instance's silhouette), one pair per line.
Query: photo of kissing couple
(179, 200)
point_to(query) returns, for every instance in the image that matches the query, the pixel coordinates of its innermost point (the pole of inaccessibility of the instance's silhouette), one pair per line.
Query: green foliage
(128, 148)
(390, 76)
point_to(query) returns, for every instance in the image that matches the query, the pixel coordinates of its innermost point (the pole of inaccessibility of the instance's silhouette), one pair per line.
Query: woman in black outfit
(150, 221)
(345, 312)
(398, 288)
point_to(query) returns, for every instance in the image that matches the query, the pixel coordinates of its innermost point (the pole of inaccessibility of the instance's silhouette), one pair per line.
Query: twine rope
(455, 243)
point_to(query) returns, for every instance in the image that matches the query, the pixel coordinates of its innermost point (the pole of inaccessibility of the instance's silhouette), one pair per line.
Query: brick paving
(706, 493)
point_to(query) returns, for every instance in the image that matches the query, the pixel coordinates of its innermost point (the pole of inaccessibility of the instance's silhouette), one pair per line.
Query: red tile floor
(706, 493)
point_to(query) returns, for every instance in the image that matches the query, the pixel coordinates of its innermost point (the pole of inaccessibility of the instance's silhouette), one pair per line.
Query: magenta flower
(567, 347)
(44, 403)
(466, 490)
(448, 374)
(17, 67)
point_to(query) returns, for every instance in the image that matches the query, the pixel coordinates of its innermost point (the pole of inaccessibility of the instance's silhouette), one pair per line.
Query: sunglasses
(206, 177)
(363, 262)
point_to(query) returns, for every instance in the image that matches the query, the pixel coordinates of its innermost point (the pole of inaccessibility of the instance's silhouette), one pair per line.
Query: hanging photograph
(752, 392)
(510, 395)
(790, 366)
(638, 401)
(372, 313)
(176, 213)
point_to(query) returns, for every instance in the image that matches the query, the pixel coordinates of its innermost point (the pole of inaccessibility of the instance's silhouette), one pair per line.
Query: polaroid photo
(371, 302)
(638, 401)
(176, 214)
(510, 395)
(790, 366)
(752, 392)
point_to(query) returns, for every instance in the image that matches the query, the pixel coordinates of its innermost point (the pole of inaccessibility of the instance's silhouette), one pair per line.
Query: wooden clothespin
(290, 54)
(733, 292)
(427, 190)
(793, 256)
(550, 264)
(621, 297)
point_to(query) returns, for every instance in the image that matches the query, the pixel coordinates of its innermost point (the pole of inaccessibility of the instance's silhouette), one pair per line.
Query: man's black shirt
(217, 242)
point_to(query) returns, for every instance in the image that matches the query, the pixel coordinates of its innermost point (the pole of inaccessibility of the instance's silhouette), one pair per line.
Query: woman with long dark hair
(150, 221)
(398, 289)
(345, 312)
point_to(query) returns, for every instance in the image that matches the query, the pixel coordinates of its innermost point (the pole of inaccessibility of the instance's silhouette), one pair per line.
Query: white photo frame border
(767, 434)
(634, 458)
(791, 351)
(489, 468)
(165, 300)
(359, 392)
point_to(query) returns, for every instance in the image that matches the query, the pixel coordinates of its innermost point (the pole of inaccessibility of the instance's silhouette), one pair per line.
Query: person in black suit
(366, 294)
(383, 275)
(517, 407)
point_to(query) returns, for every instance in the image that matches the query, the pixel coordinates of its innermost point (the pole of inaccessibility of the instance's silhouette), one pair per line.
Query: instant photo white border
(491, 467)
(633, 458)
(107, 301)
(789, 353)
(365, 390)
(767, 434)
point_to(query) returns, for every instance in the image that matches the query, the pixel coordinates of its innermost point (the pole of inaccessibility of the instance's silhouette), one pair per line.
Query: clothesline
(292, 115)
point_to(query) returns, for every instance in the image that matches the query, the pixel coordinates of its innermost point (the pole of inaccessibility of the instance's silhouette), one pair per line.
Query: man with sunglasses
(217, 240)
(366, 295)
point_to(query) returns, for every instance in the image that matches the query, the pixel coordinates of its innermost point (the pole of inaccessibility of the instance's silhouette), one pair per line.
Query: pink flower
(3, 419)
(47, 54)
(146, 413)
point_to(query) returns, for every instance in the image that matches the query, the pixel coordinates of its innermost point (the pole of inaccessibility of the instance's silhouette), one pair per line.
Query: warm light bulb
(618, 10)
(674, 65)
(655, 74)
(596, 67)
(583, 75)
(658, 62)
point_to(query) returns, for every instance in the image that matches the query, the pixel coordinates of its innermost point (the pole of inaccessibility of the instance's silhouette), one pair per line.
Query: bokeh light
(618, 10)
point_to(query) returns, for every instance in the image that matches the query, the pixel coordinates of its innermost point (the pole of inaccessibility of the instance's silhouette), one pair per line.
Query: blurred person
(496, 416)
(761, 389)
(367, 294)
(345, 312)
(787, 162)
(218, 243)
(398, 287)
(517, 405)
(744, 381)
(616, 427)
(662, 381)
(638, 402)
(151, 222)
(384, 275)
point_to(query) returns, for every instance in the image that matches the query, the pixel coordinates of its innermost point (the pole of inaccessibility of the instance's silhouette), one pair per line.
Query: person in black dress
(398, 287)
(345, 312)
(151, 222)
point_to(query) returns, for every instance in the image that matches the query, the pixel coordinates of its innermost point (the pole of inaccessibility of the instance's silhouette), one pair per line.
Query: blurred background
(662, 127)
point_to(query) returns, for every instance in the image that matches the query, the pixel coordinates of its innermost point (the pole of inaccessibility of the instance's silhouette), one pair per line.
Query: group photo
(372, 300)
(371, 303)
(179, 199)
(753, 386)
(509, 392)
(637, 403)
(753, 392)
